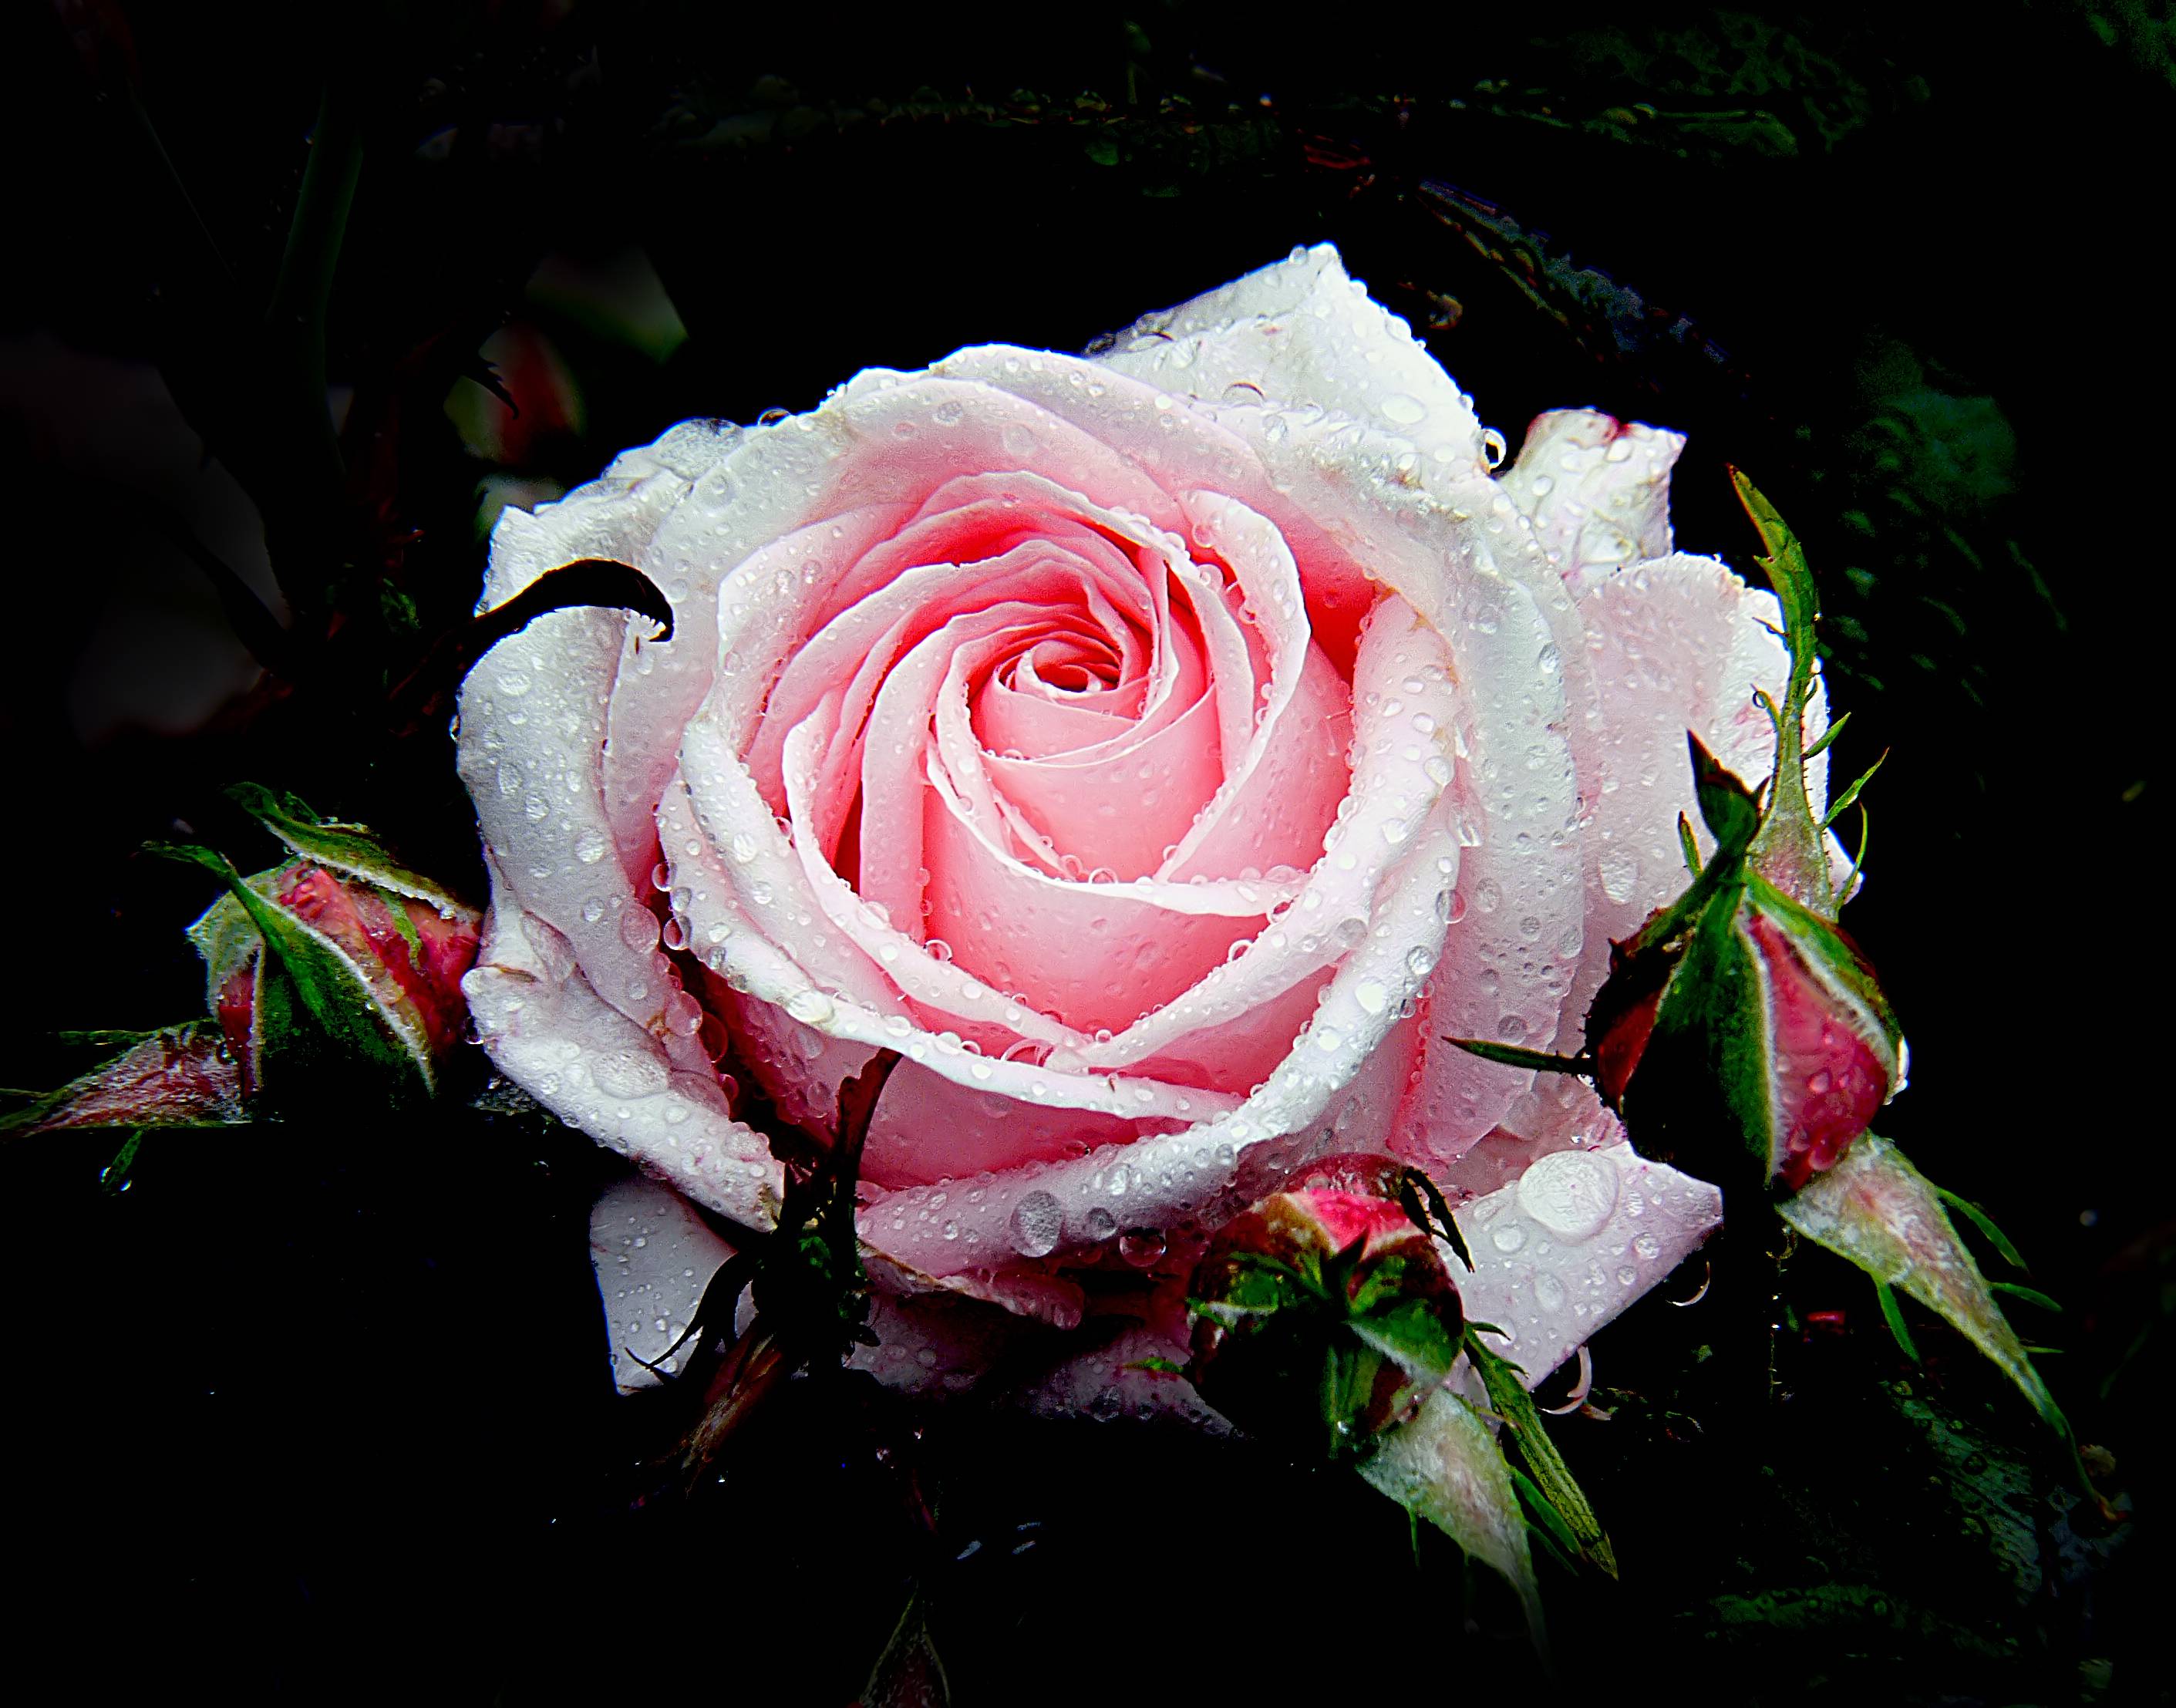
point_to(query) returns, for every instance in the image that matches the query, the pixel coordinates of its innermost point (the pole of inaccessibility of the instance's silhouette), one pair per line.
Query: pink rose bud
(340, 969)
(411, 957)
(1323, 1317)
(1739, 1019)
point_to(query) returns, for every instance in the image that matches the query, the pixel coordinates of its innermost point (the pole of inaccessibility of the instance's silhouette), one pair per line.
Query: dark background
(320, 1411)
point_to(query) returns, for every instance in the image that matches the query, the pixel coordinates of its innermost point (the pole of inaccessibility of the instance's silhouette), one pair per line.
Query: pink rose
(1162, 751)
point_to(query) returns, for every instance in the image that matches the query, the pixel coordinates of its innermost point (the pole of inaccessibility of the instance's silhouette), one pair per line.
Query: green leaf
(1893, 1313)
(1160, 1366)
(348, 849)
(1508, 1394)
(323, 1030)
(1878, 1212)
(2032, 1296)
(1444, 1466)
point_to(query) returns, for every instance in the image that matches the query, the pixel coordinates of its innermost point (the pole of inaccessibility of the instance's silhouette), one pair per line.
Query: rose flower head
(1322, 1317)
(1160, 749)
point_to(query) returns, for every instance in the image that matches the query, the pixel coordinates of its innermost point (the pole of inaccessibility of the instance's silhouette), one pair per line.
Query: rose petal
(1579, 1236)
(654, 1256)
(1597, 490)
(547, 1031)
(1300, 331)
(532, 718)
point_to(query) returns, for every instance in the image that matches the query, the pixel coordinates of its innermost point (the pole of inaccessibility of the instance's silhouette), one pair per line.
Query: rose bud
(1322, 1317)
(340, 959)
(410, 956)
(1743, 1010)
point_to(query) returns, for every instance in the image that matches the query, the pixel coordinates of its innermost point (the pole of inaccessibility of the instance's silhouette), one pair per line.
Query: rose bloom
(1162, 750)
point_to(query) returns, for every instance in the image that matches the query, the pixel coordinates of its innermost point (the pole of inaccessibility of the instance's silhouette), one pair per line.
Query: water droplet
(1509, 1236)
(1405, 411)
(1571, 1194)
(590, 845)
(1370, 995)
(1549, 1292)
(811, 1008)
(1037, 1219)
(1099, 1223)
(1619, 869)
(1141, 1247)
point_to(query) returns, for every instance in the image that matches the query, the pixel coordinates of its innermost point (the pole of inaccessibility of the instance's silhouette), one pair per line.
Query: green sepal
(1985, 1223)
(2032, 1296)
(1838, 806)
(1423, 1200)
(92, 1100)
(1893, 1314)
(1704, 1071)
(1544, 1522)
(1411, 1333)
(1445, 1466)
(1688, 847)
(1514, 1056)
(349, 850)
(1552, 1476)
(1878, 1212)
(321, 1028)
(1726, 806)
(1789, 846)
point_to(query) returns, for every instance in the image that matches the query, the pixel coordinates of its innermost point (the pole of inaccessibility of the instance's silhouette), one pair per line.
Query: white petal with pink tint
(1580, 1235)
(1597, 490)
(1302, 332)
(598, 1071)
(653, 1256)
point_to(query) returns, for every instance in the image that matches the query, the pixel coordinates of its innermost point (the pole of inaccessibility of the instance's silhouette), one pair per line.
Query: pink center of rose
(1076, 754)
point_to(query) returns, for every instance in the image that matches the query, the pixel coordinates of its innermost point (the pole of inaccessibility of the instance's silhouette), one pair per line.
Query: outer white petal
(1300, 332)
(1596, 489)
(1578, 1237)
(549, 1032)
(654, 1256)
